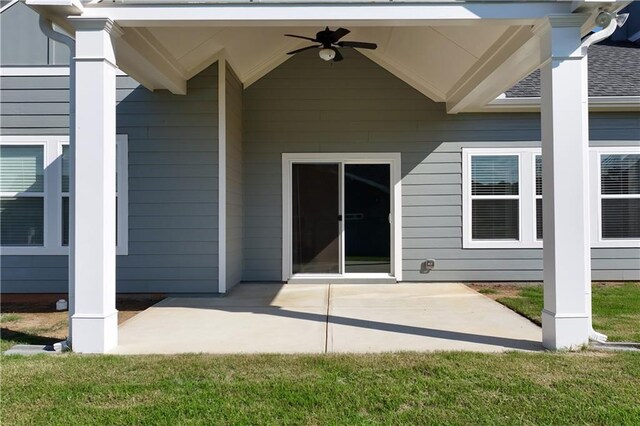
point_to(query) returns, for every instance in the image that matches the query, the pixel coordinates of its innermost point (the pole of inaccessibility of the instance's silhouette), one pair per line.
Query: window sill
(501, 245)
(538, 245)
(616, 244)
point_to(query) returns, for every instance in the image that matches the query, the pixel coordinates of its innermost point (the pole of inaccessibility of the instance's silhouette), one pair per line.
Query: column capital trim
(569, 20)
(77, 59)
(96, 24)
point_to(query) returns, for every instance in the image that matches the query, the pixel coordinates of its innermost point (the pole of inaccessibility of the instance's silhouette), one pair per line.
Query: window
(495, 197)
(538, 160)
(22, 201)
(502, 197)
(502, 205)
(34, 192)
(617, 200)
(65, 195)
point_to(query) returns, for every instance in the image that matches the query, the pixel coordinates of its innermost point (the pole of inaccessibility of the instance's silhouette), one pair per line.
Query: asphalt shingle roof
(614, 70)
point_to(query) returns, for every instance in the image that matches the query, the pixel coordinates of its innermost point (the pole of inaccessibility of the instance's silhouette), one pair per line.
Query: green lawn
(616, 308)
(440, 388)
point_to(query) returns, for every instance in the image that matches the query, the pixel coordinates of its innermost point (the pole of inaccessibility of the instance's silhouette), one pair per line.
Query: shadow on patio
(275, 318)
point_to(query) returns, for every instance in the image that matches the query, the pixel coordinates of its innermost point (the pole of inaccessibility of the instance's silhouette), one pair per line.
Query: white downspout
(615, 21)
(47, 28)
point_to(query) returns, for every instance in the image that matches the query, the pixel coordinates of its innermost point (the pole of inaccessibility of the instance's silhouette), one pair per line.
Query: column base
(94, 334)
(564, 331)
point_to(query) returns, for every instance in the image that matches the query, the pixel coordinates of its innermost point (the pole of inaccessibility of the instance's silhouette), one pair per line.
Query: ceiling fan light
(327, 54)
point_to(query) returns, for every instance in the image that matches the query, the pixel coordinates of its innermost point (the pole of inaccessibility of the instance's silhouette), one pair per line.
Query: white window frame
(46, 163)
(536, 197)
(53, 194)
(595, 155)
(528, 223)
(526, 196)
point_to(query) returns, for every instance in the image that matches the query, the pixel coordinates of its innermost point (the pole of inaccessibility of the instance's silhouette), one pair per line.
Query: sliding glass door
(341, 218)
(316, 225)
(367, 206)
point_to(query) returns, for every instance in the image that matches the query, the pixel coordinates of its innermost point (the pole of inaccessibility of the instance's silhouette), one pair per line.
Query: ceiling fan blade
(302, 37)
(293, 52)
(338, 34)
(358, 44)
(339, 56)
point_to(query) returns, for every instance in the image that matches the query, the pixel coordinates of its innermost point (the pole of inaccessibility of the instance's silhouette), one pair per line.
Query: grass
(616, 308)
(33, 335)
(33, 319)
(10, 317)
(440, 388)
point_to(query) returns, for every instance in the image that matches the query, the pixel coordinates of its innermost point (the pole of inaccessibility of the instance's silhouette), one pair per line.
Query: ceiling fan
(329, 42)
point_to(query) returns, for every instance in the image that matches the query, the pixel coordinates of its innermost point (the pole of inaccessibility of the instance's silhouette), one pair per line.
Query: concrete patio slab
(260, 295)
(169, 330)
(318, 318)
(425, 318)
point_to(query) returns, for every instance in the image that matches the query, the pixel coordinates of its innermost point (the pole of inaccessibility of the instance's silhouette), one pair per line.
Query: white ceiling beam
(260, 14)
(586, 6)
(520, 55)
(254, 74)
(512, 57)
(412, 79)
(143, 58)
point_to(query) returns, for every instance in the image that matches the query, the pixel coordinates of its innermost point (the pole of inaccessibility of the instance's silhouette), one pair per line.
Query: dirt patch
(506, 289)
(35, 316)
(499, 290)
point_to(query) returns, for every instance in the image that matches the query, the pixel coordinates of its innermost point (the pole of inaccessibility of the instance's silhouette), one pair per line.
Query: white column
(565, 185)
(92, 256)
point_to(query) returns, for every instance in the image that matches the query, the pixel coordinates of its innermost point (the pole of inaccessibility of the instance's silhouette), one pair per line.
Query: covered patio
(329, 318)
(462, 54)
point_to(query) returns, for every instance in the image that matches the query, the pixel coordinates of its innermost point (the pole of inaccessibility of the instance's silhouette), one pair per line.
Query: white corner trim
(222, 175)
(45, 70)
(122, 245)
(391, 158)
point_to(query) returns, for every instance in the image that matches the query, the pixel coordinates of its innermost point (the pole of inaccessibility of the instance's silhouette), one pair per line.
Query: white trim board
(222, 175)
(383, 14)
(532, 104)
(44, 70)
(393, 159)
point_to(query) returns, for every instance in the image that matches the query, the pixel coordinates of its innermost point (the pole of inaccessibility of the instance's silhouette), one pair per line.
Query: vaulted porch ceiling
(461, 53)
(432, 59)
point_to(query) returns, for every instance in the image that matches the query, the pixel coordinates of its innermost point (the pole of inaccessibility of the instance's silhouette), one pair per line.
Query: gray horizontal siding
(306, 105)
(173, 182)
(23, 44)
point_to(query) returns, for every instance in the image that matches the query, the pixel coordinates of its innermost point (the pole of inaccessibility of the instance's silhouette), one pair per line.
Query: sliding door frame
(391, 158)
